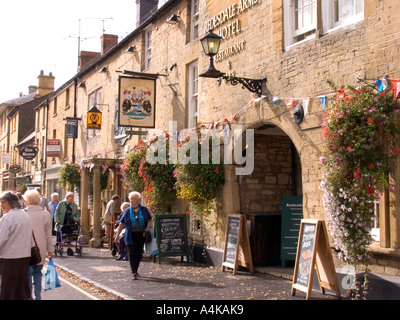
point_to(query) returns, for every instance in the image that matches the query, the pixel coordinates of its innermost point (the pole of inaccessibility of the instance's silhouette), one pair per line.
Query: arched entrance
(277, 174)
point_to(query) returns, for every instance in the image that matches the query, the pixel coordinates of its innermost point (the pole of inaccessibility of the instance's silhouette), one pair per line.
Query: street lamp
(210, 43)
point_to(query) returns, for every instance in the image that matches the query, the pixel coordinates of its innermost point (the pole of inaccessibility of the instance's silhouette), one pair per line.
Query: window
(194, 26)
(301, 17)
(55, 106)
(95, 99)
(193, 94)
(147, 48)
(338, 13)
(300, 20)
(67, 98)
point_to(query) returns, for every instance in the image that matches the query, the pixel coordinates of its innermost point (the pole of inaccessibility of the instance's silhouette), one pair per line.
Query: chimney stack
(107, 42)
(45, 84)
(85, 57)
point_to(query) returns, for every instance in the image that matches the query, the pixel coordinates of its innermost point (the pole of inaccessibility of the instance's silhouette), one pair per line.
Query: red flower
(356, 175)
(369, 121)
(216, 170)
(371, 165)
(370, 190)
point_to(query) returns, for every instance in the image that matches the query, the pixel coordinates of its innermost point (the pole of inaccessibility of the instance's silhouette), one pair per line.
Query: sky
(43, 35)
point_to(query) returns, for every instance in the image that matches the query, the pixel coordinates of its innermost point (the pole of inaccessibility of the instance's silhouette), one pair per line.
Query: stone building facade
(261, 40)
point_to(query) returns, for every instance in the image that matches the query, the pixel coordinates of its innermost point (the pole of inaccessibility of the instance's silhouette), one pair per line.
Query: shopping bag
(51, 280)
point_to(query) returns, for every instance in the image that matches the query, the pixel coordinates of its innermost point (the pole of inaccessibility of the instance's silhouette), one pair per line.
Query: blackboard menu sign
(171, 235)
(306, 253)
(314, 254)
(232, 239)
(237, 244)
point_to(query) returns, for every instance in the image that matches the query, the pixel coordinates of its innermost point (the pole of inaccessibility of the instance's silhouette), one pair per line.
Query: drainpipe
(45, 147)
(75, 98)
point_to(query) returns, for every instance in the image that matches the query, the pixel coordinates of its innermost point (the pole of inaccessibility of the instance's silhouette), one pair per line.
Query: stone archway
(277, 173)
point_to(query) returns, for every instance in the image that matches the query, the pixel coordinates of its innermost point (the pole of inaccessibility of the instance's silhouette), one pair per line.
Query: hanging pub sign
(14, 168)
(72, 127)
(94, 119)
(314, 254)
(137, 102)
(28, 153)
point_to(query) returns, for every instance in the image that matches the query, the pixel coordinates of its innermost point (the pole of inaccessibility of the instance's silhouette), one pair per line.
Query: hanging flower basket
(198, 183)
(70, 176)
(361, 133)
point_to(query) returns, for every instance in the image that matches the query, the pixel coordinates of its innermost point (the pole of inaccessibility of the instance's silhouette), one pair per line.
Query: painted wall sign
(229, 25)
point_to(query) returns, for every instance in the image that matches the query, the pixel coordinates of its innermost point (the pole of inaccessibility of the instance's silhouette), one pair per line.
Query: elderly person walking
(42, 226)
(66, 214)
(135, 220)
(15, 249)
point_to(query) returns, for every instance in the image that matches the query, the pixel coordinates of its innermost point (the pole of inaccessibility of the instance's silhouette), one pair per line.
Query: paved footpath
(175, 280)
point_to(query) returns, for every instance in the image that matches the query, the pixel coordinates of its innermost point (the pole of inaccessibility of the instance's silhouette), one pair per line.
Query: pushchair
(66, 234)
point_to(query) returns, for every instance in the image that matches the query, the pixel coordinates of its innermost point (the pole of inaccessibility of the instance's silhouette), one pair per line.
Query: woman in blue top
(135, 220)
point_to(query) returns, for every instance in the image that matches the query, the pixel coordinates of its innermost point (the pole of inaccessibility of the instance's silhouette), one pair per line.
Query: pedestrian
(41, 226)
(135, 220)
(43, 203)
(120, 240)
(53, 206)
(15, 249)
(21, 200)
(66, 215)
(112, 206)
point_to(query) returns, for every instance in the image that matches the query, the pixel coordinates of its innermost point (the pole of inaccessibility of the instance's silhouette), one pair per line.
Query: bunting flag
(291, 102)
(396, 88)
(323, 101)
(382, 84)
(306, 102)
(105, 167)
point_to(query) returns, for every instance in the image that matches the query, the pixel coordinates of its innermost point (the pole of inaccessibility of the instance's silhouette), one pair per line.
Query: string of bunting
(383, 85)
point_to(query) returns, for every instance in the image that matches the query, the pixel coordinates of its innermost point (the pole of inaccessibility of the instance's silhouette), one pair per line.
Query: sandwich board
(237, 244)
(313, 252)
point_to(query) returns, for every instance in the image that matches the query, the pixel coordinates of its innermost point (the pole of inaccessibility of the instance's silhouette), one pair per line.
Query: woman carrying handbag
(41, 226)
(15, 249)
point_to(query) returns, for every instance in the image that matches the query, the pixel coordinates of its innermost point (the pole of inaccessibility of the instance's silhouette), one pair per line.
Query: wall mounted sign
(137, 102)
(6, 158)
(28, 153)
(53, 148)
(292, 214)
(94, 119)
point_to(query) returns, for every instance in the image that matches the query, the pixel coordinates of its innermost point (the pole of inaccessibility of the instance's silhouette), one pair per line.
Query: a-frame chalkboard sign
(171, 235)
(313, 252)
(237, 244)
